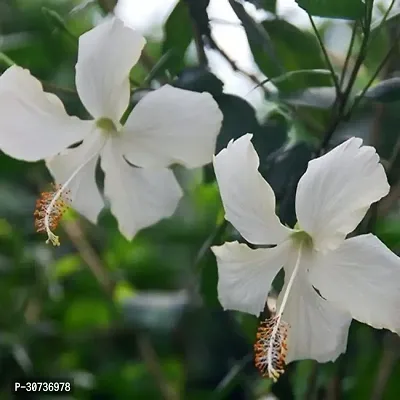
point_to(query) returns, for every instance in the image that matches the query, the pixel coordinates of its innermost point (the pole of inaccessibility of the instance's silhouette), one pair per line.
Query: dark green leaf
(199, 79)
(178, 35)
(317, 97)
(385, 92)
(343, 9)
(291, 44)
(257, 36)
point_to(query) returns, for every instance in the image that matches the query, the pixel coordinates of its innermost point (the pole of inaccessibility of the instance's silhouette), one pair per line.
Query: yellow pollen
(50, 207)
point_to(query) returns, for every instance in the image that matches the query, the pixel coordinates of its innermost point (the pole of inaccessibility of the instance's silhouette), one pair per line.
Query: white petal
(363, 277)
(248, 199)
(139, 197)
(173, 125)
(336, 191)
(317, 329)
(33, 123)
(106, 55)
(84, 193)
(245, 275)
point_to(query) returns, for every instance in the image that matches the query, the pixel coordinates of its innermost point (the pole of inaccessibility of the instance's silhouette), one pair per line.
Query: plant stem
(373, 77)
(326, 56)
(341, 103)
(348, 55)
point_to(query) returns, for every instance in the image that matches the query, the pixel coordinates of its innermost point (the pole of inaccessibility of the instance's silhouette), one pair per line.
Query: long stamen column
(52, 205)
(271, 345)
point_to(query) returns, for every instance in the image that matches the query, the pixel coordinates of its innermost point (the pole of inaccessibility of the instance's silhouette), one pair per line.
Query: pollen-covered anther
(50, 207)
(271, 347)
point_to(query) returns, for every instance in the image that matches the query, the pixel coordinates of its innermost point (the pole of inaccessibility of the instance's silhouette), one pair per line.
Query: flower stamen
(50, 208)
(271, 346)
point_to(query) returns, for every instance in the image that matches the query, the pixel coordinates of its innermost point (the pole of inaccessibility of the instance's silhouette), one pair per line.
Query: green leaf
(291, 44)
(178, 35)
(388, 230)
(343, 9)
(386, 91)
(316, 97)
(198, 79)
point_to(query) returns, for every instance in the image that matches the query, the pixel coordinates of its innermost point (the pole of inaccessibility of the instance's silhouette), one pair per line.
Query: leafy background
(141, 319)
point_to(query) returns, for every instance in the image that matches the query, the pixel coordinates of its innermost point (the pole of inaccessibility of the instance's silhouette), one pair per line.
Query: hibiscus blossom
(167, 126)
(328, 279)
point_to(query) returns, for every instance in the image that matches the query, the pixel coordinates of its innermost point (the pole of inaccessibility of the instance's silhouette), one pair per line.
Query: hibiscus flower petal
(84, 193)
(34, 124)
(248, 199)
(337, 190)
(317, 329)
(171, 125)
(138, 197)
(363, 277)
(106, 55)
(245, 275)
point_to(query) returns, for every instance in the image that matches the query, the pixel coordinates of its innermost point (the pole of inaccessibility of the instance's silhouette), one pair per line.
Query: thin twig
(205, 247)
(312, 382)
(341, 103)
(198, 40)
(234, 65)
(326, 56)
(380, 27)
(374, 75)
(348, 55)
(390, 356)
(75, 233)
(146, 350)
(150, 358)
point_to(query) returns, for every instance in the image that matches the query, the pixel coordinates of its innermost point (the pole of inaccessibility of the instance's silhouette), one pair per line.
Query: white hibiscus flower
(167, 126)
(328, 280)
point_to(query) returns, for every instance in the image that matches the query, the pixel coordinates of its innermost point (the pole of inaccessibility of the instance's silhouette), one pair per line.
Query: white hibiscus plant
(167, 126)
(329, 279)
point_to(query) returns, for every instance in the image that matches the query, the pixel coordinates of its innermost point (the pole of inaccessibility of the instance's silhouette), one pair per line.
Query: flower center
(107, 126)
(301, 238)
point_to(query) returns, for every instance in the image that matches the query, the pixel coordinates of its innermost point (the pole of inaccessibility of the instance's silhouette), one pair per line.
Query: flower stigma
(271, 346)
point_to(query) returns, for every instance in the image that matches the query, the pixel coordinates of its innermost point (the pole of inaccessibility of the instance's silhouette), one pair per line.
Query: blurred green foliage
(141, 320)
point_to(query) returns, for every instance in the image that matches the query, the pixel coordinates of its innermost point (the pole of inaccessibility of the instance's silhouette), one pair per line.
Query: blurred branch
(227, 384)
(58, 22)
(75, 233)
(387, 202)
(326, 56)
(99, 271)
(349, 54)
(374, 75)
(234, 65)
(390, 357)
(198, 40)
(381, 25)
(312, 382)
(341, 102)
(205, 247)
(150, 358)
